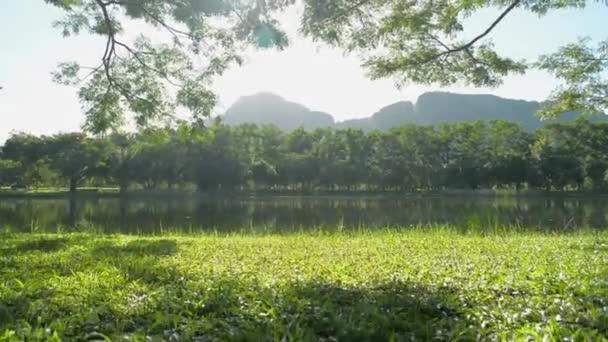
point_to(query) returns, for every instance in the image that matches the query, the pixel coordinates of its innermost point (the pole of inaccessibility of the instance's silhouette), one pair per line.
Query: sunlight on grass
(388, 285)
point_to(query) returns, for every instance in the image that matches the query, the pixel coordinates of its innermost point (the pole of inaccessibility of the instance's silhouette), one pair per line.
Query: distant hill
(267, 108)
(390, 116)
(435, 107)
(430, 109)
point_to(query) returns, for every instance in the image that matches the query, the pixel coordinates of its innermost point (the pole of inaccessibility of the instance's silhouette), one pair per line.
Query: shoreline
(252, 194)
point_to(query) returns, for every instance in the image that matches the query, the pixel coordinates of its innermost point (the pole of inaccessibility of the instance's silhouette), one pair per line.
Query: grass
(365, 286)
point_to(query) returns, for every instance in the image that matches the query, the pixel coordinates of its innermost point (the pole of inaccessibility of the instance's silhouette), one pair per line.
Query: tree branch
(110, 53)
(146, 65)
(346, 11)
(175, 32)
(466, 47)
(490, 28)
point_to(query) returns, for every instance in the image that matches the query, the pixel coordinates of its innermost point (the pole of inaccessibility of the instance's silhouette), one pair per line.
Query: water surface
(156, 214)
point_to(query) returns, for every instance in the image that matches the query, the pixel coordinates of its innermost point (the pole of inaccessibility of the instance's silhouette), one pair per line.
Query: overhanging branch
(467, 46)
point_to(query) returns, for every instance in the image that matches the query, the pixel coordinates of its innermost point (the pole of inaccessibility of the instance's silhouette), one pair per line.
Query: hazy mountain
(387, 117)
(435, 107)
(267, 108)
(447, 107)
(430, 109)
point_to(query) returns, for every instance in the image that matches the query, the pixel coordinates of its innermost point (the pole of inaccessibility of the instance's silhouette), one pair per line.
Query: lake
(191, 213)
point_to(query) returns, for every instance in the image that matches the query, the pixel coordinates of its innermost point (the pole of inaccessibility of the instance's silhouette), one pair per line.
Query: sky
(321, 78)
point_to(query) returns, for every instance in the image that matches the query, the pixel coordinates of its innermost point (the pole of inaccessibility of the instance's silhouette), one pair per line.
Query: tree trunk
(73, 185)
(124, 186)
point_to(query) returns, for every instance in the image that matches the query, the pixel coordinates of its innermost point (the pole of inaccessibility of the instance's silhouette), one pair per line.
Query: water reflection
(290, 213)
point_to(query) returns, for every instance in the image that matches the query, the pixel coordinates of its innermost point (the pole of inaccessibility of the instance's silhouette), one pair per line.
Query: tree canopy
(408, 40)
(153, 78)
(463, 155)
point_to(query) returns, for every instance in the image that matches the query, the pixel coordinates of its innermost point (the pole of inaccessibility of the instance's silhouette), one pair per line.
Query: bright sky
(315, 76)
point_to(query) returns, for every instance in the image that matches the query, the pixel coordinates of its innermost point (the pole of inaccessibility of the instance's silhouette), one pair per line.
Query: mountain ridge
(431, 108)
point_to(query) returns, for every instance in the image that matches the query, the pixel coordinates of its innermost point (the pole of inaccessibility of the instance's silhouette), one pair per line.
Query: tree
(466, 154)
(173, 154)
(509, 153)
(24, 148)
(411, 41)
(259, 151)
(31, 155)
(213, 162)
(557, 150)
(342, 156)
(387, 165)
(10, 173)
(421, 155)
(124, 149)
(299, 166)
(422, 42)
(151, 79)
(74, 157)
(581, 68)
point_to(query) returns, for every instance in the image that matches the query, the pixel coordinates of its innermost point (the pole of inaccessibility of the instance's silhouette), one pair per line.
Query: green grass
(371, 286)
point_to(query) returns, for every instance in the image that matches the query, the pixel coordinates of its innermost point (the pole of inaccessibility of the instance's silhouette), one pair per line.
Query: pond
(191, 213)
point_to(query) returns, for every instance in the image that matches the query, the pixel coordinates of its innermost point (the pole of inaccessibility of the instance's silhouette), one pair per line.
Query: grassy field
(373, 286)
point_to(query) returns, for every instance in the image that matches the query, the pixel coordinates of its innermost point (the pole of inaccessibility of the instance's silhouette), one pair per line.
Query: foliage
(464, 155)
(9, 172)
(411, 41)
(155, 78)
(583, 71)
(424, 42)
(383, 285)
(75, 156)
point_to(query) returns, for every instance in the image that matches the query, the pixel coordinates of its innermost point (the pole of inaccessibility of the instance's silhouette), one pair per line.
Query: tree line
(464, 155)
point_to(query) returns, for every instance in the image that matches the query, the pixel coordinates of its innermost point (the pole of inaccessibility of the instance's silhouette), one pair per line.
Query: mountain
(430, 109)
(435, 107)
(267, 108)
(387, 117)
(447, 107)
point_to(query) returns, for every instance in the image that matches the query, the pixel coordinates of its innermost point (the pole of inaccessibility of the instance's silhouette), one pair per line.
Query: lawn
(364, 286)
